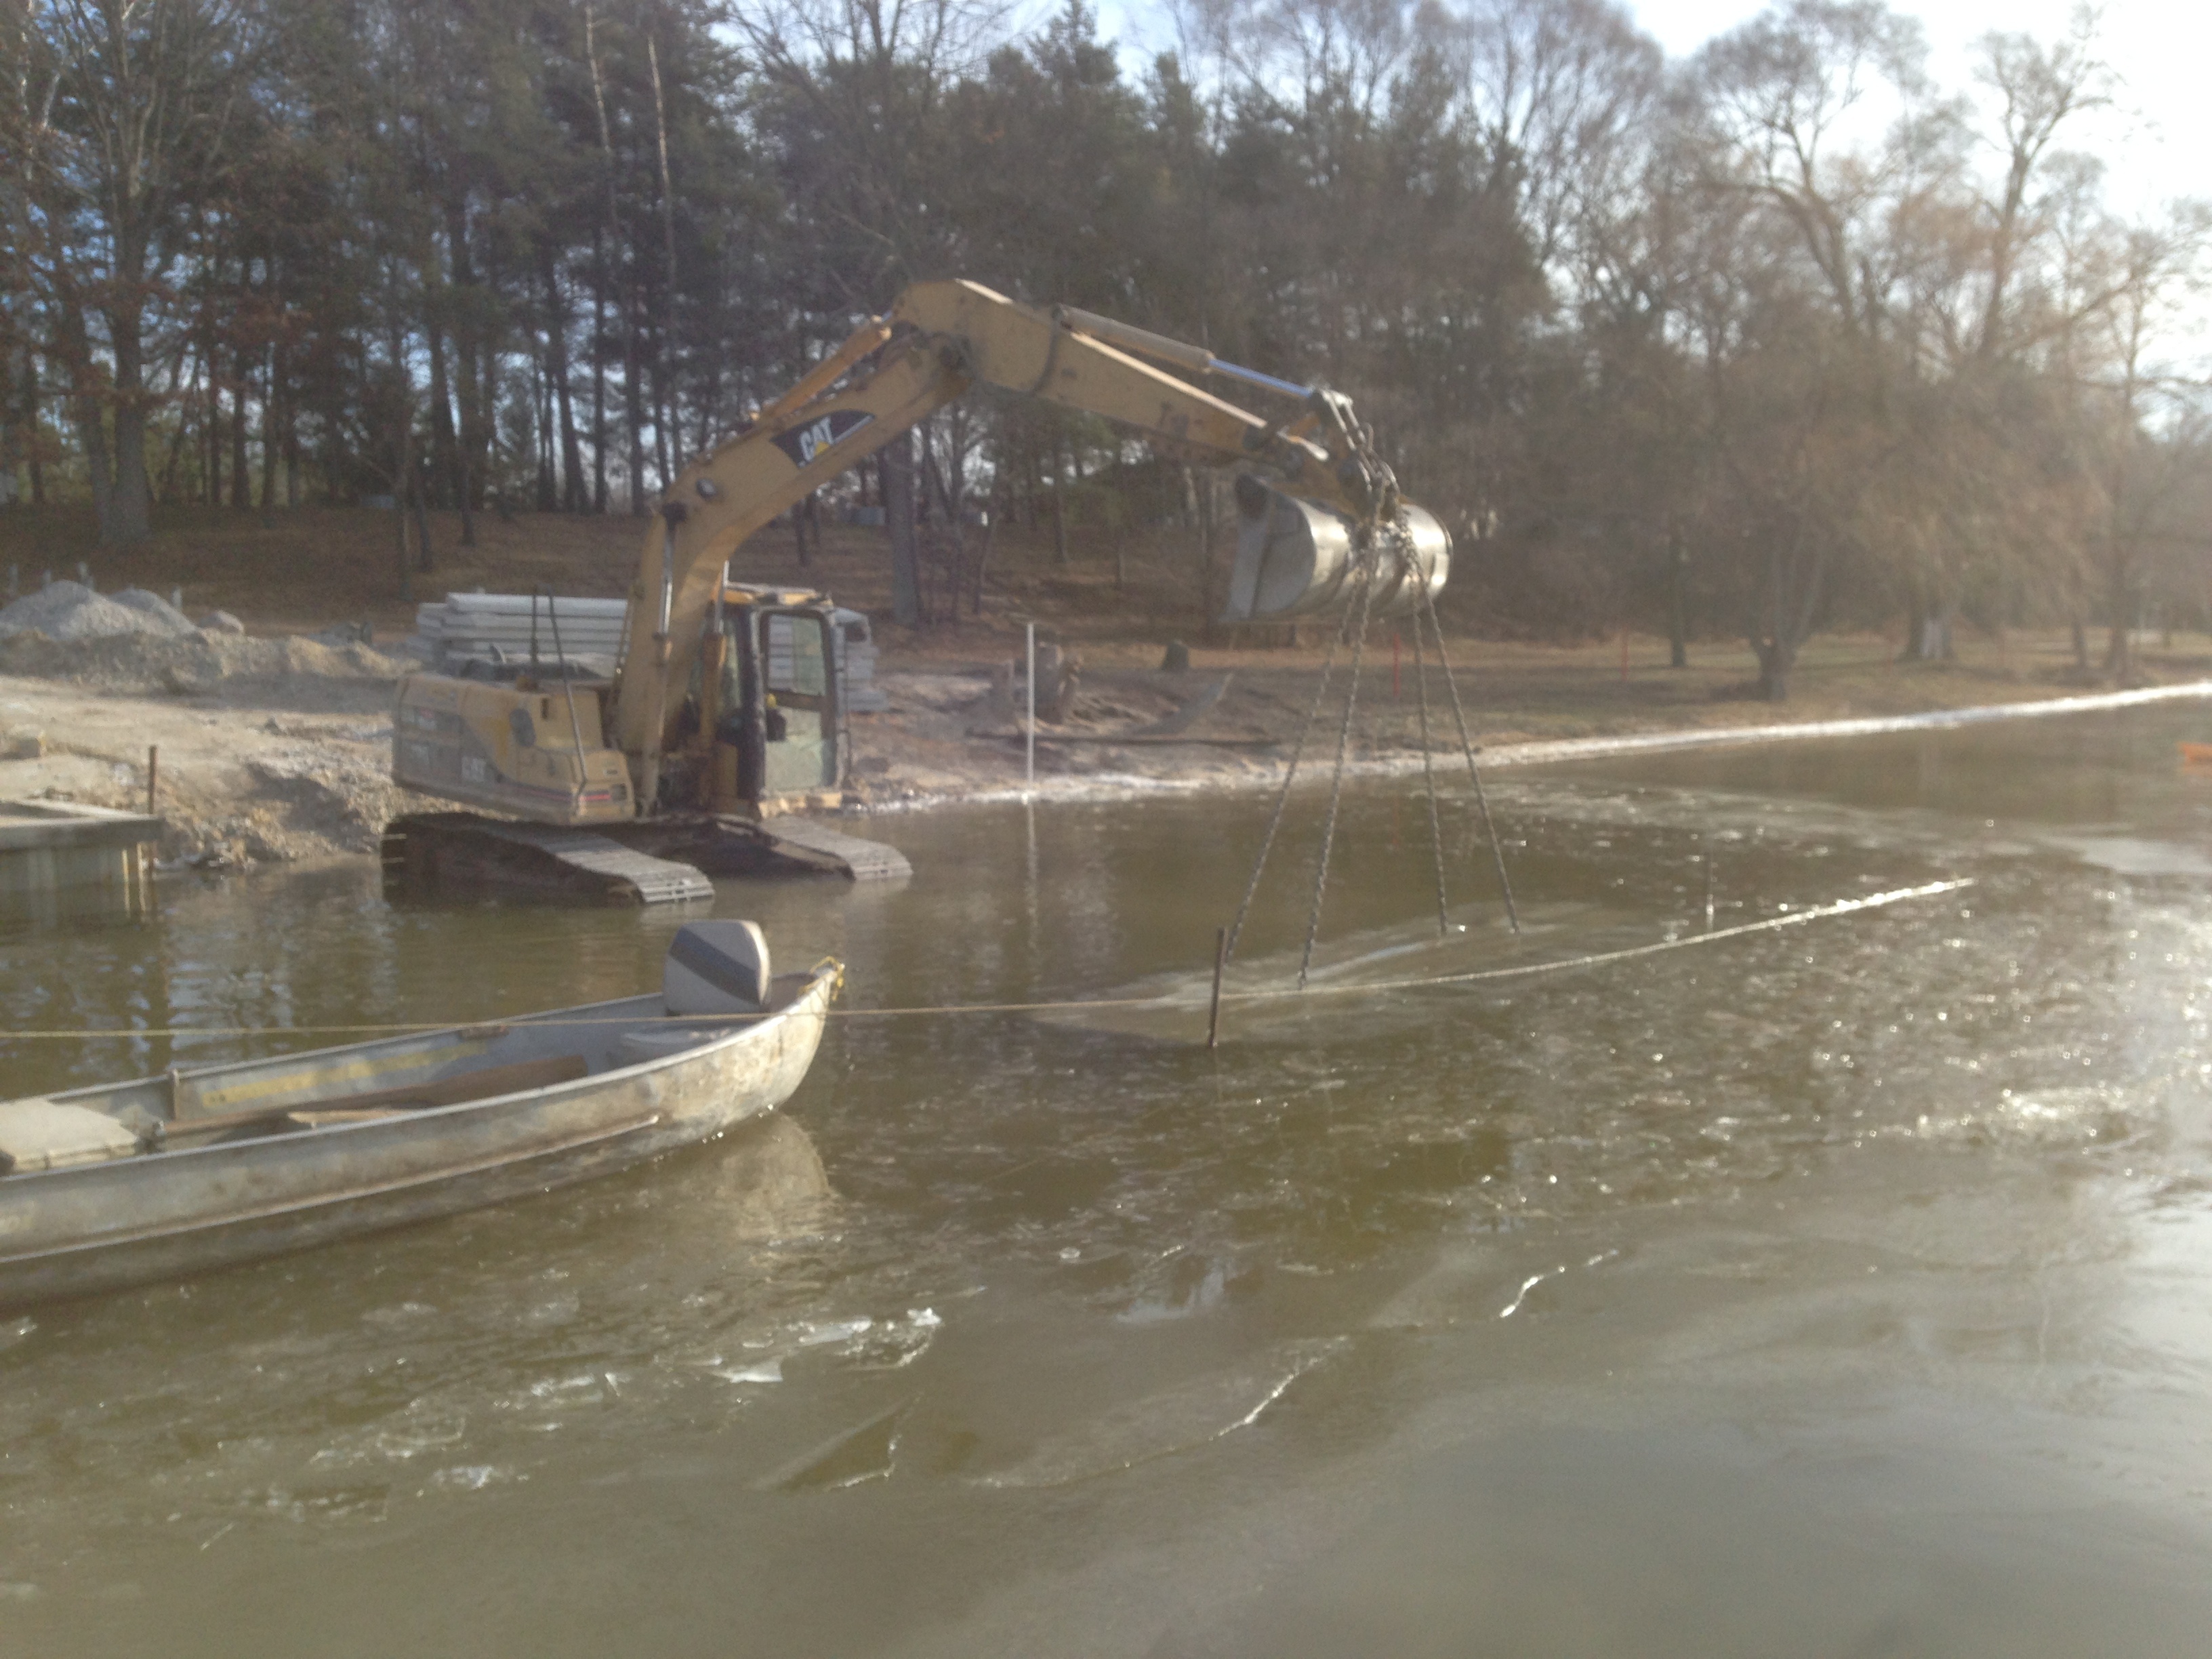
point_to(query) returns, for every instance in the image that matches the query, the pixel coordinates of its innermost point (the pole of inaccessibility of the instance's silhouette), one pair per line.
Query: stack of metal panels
(499, 627)
(856, 663)
(496, 627)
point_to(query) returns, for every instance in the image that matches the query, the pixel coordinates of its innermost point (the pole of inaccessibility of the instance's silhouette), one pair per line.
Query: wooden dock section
(50, 848)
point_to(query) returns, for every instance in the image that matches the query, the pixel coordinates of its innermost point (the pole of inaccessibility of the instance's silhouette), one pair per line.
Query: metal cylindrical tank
(1295, 558)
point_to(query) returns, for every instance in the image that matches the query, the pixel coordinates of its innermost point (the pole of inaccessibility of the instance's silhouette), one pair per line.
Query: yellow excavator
(723, 720)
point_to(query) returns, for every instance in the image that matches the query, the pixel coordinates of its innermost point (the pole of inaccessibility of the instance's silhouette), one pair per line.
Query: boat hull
(138, 1220)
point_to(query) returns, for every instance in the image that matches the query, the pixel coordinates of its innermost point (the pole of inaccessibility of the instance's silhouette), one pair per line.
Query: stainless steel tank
(1294, 558)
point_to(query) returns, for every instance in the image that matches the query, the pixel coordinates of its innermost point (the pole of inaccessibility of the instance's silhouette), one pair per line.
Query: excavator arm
(938, 340)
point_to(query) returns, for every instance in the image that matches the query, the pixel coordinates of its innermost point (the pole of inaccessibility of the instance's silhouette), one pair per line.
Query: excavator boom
(937, 341)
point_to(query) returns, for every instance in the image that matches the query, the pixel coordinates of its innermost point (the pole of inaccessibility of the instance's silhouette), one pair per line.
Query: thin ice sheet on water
(1171, 1008)
(1177, 1420)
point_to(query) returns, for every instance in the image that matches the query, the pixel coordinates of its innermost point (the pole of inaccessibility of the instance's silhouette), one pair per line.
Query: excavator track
(664, 861)
(810, 840)
(457, 849)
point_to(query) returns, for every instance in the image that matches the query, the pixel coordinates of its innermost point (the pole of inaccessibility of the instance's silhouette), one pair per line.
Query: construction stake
(1221, 960)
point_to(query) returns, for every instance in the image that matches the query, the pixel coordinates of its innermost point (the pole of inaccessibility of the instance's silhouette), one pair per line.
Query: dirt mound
(329, 799)
(193, 663)
(67, 611)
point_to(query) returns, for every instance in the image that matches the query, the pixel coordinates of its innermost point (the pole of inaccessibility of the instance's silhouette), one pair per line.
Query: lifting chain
(1367, 581)
(1428, 607)
(1429, 777)
(1283, 795)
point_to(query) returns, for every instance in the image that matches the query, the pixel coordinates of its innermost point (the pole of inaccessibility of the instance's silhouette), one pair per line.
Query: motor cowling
(1296, 559)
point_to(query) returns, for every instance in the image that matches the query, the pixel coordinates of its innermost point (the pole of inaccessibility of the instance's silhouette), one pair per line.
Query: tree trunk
(88, 416)
(1202, 484)
(468, 458)
(445, 462)
(1059, 509)
(1678, 604)
(983, 558)
(1775, 661)
(172, 463)
(291, 441)
(598, 376)
(268, 430)
(129, 512)
(661, 408)
(11, 431)
(667, 374)
(1916, 622)
(556, 341)
(633, 395)
(404, 449)
(241, 486)
(32, 435)
(425, 556)
(2119, 648)
(210, 414)
(897, 463)
(548, 496)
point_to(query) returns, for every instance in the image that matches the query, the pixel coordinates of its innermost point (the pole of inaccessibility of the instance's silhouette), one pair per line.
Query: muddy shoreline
(286, 758)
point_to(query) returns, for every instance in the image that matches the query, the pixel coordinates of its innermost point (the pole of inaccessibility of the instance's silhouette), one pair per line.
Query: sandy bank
(277, 749)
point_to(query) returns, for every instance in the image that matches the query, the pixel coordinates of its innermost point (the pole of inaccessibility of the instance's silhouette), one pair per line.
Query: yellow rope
(1368, 988)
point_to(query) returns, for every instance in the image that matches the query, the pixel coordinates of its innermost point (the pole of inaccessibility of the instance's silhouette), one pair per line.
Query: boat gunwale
(815, 988)
(296, 1206)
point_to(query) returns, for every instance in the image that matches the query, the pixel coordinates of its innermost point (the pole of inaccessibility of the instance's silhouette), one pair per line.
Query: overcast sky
(2156, 141)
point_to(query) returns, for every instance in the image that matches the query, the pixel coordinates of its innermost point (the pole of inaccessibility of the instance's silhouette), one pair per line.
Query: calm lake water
(1842, 1290)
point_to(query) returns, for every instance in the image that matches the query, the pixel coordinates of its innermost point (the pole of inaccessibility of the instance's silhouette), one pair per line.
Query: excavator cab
(774, 711)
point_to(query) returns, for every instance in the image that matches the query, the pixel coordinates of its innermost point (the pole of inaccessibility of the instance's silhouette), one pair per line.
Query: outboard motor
(1294, 558)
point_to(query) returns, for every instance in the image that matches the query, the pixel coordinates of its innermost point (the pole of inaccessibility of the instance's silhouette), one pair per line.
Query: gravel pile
(161, 616)
(70, 610)
(193, 663)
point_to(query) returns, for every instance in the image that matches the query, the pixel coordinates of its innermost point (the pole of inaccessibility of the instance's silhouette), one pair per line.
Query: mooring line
(1183, 1003)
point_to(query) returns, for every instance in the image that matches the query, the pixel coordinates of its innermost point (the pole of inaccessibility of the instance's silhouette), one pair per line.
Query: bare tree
(145, 95)
(2155, 268)
(1563, 92)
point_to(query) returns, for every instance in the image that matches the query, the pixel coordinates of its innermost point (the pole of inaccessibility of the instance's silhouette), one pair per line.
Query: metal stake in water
(1031, 774)
(1705, 858)
(1213, 1011)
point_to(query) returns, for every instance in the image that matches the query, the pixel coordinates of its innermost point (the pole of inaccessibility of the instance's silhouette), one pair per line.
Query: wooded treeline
(1777, 337)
